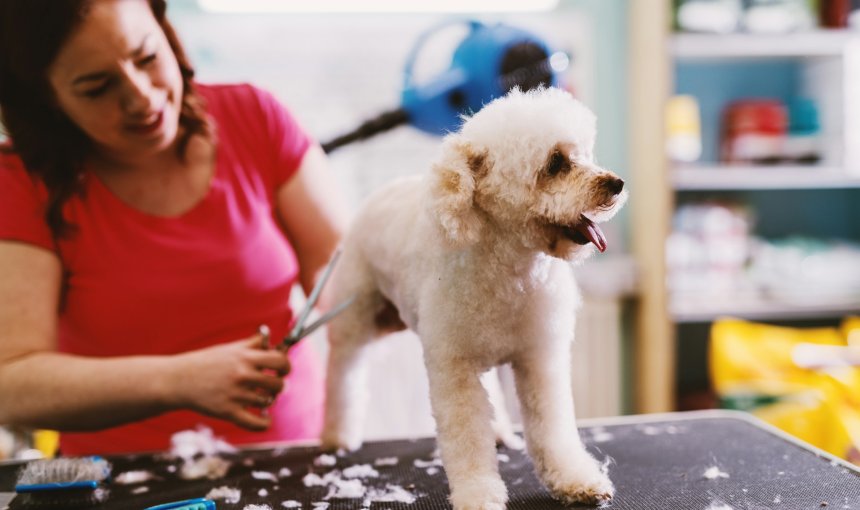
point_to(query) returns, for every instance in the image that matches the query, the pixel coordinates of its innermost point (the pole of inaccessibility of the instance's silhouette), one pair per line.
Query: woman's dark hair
(51, 146)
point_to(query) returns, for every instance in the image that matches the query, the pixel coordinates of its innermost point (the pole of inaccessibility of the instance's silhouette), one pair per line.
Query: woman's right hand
(223, 381)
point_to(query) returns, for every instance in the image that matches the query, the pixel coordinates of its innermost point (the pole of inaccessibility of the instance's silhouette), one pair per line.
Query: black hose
(383, 122)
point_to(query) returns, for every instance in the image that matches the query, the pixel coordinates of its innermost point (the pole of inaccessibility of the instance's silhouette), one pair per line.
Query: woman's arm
(314, 214)
(40, 387)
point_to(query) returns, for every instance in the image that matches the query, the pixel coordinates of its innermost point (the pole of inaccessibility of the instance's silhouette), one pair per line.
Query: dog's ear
(453, 182)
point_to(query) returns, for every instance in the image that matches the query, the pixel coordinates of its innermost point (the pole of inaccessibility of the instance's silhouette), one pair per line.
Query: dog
(476, 259)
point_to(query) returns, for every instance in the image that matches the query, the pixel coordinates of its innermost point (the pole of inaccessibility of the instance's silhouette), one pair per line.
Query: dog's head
(525, 163)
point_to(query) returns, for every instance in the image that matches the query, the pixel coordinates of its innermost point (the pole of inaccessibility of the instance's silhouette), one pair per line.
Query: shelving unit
(756, 308)
(822, 64)
(705, 177)
(651, 205)
(819, 43)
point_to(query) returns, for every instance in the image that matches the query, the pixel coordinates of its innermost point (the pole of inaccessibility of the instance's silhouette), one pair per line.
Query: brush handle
(57, 486)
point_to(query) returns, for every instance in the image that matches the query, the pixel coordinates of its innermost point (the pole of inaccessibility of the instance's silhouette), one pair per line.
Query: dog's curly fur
(475, 258)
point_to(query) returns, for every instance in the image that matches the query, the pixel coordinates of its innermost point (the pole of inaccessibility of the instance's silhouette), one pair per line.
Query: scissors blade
(329, 315)
(315, 294)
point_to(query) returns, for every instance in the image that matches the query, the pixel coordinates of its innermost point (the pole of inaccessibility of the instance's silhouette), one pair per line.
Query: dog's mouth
(585, 231)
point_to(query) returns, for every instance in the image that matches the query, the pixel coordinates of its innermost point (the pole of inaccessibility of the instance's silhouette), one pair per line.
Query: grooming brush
(188, 504)
(66, 483)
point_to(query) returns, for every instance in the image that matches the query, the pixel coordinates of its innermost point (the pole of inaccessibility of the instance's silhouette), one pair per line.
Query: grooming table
(655, 461)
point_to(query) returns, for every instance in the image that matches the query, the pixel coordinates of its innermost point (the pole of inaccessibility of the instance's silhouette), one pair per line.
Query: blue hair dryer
(488, 62)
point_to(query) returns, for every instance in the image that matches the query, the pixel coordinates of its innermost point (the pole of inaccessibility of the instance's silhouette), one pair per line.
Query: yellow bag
(757, 367)
(851, 330)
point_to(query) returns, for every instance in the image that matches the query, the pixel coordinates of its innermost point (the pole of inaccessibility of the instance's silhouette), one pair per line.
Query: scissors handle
(265, 334)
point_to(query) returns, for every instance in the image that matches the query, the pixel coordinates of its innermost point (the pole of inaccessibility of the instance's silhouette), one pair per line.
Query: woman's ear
(453, 182)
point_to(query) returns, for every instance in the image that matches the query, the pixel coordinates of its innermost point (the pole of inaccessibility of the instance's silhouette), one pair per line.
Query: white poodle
(475, 258)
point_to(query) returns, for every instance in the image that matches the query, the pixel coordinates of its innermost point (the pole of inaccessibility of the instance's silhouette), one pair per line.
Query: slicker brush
(69, 483)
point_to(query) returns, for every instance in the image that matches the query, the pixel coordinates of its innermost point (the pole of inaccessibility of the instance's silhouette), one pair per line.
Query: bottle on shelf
(803, 143)
(709, 16)
(777, 16)
(754, 16)
(834, 13)
(683, 129)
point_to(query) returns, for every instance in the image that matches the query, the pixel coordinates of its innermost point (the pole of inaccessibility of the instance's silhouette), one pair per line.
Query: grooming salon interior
(729, 287)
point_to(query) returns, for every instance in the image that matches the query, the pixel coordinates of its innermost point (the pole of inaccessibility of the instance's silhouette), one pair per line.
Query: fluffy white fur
(475, 258)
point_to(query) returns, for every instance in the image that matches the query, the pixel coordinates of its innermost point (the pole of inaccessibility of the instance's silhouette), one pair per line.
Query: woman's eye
(147, 59)
(97, 91)
(558, 163)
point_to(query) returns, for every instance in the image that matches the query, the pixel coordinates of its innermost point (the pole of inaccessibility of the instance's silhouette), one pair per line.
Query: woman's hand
(225, 380)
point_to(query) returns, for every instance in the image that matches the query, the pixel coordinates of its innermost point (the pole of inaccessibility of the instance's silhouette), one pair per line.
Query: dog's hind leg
(463, 416)
(544, 389)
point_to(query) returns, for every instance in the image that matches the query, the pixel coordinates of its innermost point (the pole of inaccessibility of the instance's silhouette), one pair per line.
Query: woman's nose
(137, 97)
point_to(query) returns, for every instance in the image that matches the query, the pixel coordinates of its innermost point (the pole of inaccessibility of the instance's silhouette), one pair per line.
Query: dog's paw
(332, 441)
(593, 490)
(509, 439)
(480, 494)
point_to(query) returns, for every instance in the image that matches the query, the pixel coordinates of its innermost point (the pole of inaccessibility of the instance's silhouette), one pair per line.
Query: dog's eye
(558, 163)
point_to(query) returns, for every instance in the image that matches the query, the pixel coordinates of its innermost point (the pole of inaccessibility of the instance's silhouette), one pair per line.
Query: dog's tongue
(591, 232)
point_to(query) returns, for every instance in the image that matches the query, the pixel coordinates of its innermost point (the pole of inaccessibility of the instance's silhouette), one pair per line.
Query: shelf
(818, 43)
(733, 177)
(755, 308)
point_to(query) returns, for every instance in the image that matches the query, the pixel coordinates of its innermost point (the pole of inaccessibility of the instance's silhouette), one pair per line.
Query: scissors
(299, 330)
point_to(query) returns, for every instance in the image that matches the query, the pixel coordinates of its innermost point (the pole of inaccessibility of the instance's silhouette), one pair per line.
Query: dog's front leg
(466, 440)
(544, 387)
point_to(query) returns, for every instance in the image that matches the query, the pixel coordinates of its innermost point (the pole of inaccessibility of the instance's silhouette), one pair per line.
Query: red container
(753, 131)
(834, 13)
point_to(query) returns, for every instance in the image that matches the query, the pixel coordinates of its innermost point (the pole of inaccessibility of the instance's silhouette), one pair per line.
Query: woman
(148, 225)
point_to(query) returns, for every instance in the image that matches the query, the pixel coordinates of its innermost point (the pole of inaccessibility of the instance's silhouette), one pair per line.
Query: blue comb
(188, 504)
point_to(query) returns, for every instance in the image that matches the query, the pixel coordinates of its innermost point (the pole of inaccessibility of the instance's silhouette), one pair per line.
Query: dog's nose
(615, 185)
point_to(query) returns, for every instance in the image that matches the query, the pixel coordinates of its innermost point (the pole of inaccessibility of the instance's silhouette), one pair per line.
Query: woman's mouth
(151, 125)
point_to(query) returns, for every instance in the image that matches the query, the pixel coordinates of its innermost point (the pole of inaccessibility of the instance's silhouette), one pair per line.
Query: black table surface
(655, 461)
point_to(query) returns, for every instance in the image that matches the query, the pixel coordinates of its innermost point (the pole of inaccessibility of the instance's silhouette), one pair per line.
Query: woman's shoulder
(16, 183)
(247, 111)
(12, 168)
(9, 159)
(23, 198)
(234, 98)
(16, 180)
(219, 90)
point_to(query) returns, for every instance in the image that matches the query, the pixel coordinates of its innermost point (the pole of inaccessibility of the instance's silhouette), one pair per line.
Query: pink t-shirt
(141, 284)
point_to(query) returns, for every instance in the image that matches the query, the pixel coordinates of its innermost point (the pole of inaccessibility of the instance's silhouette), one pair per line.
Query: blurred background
(732, 276)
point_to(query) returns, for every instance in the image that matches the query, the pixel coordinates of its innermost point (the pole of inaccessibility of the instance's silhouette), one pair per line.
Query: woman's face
(117, 78)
